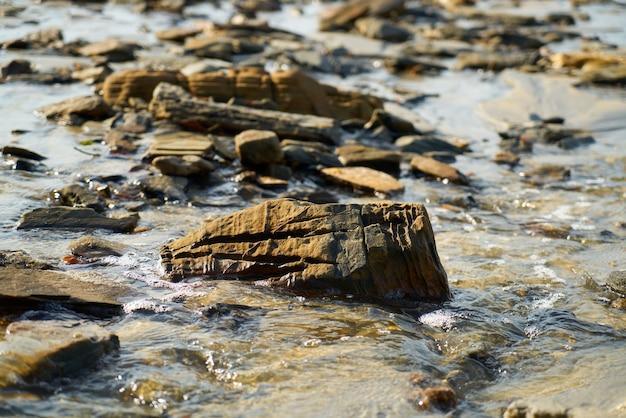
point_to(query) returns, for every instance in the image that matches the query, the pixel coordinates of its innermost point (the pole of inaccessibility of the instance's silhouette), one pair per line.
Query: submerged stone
(383, 250)
(44, 350)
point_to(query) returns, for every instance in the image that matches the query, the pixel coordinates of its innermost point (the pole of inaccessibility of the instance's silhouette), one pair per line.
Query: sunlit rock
(44, 350)
(383, 250)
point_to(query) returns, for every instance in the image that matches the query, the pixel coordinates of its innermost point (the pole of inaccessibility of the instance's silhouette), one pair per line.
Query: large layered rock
(383, 250)
(292, 91)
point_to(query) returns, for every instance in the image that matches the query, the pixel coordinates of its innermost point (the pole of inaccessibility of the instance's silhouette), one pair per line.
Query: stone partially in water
(617, 282)
(95, 247)
(428, 394)
(185, 166)
(77, 109)
(437, 169)
(27, 284)
(537, 409)
(44, 350)
(75, 218)
(384, 250)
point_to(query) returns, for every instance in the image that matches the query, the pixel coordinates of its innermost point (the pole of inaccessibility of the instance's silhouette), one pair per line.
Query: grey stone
(75, 218)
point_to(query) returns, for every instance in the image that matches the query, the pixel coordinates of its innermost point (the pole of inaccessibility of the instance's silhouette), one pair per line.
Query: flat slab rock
(364, 178)
(60, 217)
(27, 284)
(44, 350)
(382, 250)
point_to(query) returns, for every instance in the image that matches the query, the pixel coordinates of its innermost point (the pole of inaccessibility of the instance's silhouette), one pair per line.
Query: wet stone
(543, 408)
(424, 145)
(308, 247)
(16, 66)
(79, 196)
(610, 75)
(113, 50)
(43, 350)
(120, 142)
(35, 40)
(177, 34)
(439, 170)
(364, 156)
(167, 188)
(545, 174)
(308, 154)
(75, 218)
(428, 394)
(76, 110)
(21, 152)
(377, 28)
(29, 284)
(364, 178)
(617, 282)
(185, 166)
(95, 247)
(493, 61)
(254, 147)
(180, 143)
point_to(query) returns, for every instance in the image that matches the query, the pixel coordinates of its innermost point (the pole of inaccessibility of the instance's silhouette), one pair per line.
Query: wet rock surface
(303, 246)
(30, 284)
(515, 107)
(75, 218)
(35, 351)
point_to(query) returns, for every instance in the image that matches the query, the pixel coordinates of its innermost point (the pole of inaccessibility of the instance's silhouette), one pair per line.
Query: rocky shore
(244, 116)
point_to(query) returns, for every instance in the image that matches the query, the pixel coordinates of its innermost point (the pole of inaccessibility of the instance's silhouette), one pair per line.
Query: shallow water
(524, 322)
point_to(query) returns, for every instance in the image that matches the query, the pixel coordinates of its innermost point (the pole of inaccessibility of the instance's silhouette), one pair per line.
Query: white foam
(439, 319)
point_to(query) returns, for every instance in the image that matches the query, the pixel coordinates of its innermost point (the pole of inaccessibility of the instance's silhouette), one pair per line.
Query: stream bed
(526, 262)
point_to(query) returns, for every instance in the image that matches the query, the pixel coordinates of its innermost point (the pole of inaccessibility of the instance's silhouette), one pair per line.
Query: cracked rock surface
(382, 250)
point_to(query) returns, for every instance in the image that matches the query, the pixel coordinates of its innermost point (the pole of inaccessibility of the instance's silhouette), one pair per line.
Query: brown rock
(26, 283)
(439, 170)
(297, 92)
(43, 350)
(304, 246)
(377, 28)
(77, 109)
(428, 394)
(344, 16)
(185, 166)
(120, 87)
(611, 74)
(168, 104)
(364, 178)
(113, 50)
(179, 144)
(177, 34)
(361, 155)
(258, 147)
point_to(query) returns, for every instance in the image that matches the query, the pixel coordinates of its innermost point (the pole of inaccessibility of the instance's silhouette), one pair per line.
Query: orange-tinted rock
(304, 246)
(120, 87)
(364, 178)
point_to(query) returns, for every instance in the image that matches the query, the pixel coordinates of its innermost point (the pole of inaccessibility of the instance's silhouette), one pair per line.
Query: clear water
(524, 323)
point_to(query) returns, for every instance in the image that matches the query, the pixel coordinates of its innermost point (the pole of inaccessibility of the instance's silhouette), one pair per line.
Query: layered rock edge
(382, 250)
